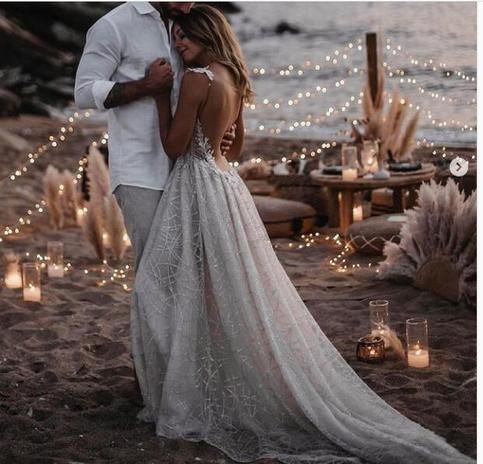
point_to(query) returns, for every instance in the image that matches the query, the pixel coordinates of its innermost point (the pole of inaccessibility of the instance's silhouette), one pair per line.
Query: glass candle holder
(417, 342)
(371, 349)
(357, 210)
(379, 317)
(349, 162)
(55, 253)
(31, 282)
(370, 150)
(13, 273)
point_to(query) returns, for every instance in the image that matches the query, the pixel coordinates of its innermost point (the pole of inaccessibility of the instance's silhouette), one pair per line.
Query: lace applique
(204, 70)
(203, 150)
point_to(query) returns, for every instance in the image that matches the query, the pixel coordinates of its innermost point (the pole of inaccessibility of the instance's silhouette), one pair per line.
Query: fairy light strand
(54, 142)
(39, 208)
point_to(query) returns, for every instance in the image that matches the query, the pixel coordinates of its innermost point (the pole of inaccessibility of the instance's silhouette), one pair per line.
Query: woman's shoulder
(206, 71)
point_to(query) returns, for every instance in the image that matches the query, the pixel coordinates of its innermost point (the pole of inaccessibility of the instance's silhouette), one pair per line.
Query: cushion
(284, 218)
(369, 236)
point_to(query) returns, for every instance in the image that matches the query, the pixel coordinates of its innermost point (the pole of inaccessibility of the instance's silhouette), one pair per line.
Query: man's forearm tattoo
(116, 96)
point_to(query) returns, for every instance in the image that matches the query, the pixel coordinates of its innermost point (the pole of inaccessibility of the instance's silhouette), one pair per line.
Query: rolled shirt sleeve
(99, 61)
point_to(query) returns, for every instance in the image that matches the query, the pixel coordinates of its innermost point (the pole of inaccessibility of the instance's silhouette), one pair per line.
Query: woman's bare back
(220, 110)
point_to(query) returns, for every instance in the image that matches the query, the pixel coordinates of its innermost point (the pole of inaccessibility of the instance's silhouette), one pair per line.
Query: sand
(66, 379)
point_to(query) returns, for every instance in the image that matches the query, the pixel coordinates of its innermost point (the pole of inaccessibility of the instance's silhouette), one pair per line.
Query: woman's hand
(160, 76)
(227, 140)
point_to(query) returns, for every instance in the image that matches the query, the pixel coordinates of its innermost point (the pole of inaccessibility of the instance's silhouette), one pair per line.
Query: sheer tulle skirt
(227, 352)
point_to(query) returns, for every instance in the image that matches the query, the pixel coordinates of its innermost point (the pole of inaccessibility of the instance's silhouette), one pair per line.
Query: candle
(349, 174)
(105, 240)
(31, 282)
(126, 240)
(357, 213)
(81, 213)
(55, 251)
(370, 349)
(417, 342)
(418, 358)
(13, 277)
(55, 270)
(378, 332)
(31, 293)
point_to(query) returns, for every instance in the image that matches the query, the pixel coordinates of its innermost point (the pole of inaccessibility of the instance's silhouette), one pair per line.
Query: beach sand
(66, 379)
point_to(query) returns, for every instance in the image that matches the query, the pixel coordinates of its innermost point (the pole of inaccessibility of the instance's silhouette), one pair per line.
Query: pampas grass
(52, 182)
(393, 341)
(437, 250)
(114, 226)
(92, 227)
(104, 214)
(70, 201)
(98, 177)
(388, 126)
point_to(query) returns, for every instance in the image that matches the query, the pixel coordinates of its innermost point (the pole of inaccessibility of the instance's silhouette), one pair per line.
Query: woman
(224, 347)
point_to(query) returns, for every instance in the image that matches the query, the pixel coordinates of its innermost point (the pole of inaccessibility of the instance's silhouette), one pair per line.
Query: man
(112, 75)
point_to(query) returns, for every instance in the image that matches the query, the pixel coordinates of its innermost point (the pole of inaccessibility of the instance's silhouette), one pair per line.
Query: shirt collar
(145, 8)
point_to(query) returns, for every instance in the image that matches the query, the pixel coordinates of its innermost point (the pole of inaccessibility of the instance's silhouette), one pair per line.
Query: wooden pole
(371, 46)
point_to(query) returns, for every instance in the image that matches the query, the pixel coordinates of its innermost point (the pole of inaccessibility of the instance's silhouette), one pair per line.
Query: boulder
(284, 26)
(9, 104)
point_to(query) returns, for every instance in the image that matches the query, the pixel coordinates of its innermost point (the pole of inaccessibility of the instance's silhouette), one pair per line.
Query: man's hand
(227, 140)
(160, 76)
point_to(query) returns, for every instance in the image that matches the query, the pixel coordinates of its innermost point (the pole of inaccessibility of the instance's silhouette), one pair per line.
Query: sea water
(440, 37)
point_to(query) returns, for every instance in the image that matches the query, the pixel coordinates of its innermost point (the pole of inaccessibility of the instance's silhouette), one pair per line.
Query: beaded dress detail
(227, 352)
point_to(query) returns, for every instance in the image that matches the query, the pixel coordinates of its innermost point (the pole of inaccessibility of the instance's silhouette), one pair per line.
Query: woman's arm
(176, 132)
(233, 154)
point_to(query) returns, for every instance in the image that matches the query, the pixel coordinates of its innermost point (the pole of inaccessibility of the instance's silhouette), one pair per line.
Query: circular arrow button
(458, 167)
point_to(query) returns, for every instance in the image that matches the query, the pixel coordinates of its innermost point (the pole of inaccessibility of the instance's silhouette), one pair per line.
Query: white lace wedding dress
(227, 352)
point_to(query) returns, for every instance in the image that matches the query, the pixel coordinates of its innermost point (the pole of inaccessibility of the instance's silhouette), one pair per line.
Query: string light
(291, 70)
(430, 64)
(54, 141)
(39, 208)
(396, 72)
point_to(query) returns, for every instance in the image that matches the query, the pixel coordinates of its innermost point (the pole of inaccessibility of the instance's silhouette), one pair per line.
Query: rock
(9, 104)
(226, 7)
(284, 27)
(13, 141)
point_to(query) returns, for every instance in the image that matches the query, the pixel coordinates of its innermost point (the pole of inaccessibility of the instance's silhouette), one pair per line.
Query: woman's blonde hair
(207, 27)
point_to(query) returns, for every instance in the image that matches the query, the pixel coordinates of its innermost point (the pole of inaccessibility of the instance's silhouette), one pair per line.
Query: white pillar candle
(349, 174)
(31, 282)
(417, 342)
(31, 293)
(55, 252)
(55, 270)
(357, 213)
(80, 216)
(418, 358)
(13, 276)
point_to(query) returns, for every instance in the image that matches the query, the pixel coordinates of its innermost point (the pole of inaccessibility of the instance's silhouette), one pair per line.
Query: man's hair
(207, 27)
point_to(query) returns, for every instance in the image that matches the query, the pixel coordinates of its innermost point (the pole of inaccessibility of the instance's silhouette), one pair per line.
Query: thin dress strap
(204, 70)
(209, 74)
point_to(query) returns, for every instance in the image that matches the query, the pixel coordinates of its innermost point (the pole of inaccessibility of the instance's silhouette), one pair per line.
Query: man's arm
(234, 152)
(127, 92)
(94, 87)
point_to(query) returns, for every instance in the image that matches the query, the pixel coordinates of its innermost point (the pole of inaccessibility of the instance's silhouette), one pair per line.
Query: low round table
(398, 182)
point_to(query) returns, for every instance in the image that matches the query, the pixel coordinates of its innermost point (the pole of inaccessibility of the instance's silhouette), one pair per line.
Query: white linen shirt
(120, 47)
